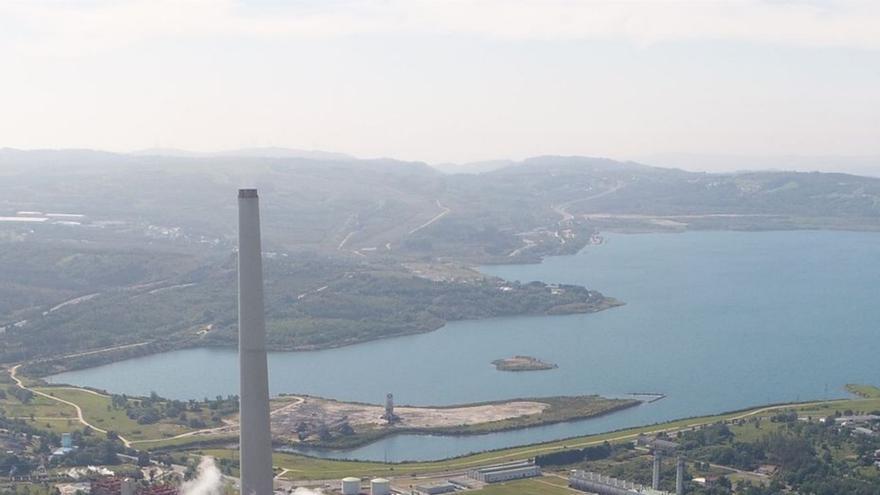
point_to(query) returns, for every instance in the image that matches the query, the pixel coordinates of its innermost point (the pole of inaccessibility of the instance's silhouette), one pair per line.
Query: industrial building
(605, 485)
(435, 488)
(66, 446)
(660, 448)
(114, 485)
(857, 419)
(506, 472)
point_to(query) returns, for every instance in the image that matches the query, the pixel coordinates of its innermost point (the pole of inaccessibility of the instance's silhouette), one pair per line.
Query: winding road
(562, 209)
(13, 374)
(444, 211)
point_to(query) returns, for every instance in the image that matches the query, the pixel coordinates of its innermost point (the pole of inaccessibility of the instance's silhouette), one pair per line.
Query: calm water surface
(715, 320)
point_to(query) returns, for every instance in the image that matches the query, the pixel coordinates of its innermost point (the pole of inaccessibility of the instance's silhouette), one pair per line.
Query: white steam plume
(208, 480)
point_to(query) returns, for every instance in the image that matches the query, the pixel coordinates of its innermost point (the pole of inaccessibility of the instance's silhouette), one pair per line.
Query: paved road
(445, 211)
(562, 209)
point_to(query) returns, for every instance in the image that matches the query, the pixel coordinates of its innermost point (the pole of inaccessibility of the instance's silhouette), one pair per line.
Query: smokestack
(679, 476)
(255, 444)
(655, 479)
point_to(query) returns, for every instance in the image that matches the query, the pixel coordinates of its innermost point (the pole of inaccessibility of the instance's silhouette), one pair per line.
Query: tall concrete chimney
(255, 444)
(679, 476)
(655, 478)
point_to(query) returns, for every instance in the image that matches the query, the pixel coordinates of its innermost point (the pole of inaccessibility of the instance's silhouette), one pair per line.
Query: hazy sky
(444, 80)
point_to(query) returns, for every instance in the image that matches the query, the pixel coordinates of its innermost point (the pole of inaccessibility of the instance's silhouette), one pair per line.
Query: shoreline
(504, 454)
(555, 410)
(163, 346)
(145, 349)
(509, 424)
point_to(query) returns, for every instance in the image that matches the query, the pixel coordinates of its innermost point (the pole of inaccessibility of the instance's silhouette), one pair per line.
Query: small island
(522, 363)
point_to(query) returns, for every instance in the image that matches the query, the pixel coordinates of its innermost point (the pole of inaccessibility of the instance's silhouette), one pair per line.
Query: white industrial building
(435, 488)
(606, 485)
(506, 472)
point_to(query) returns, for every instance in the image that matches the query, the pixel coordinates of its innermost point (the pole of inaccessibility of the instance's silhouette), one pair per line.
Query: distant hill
(859, 165)
(151, 255)
(473, 167)
(268, 152)
(337, 204)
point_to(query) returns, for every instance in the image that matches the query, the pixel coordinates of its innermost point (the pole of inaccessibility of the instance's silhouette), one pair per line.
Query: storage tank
(351, 486)
(380, 486)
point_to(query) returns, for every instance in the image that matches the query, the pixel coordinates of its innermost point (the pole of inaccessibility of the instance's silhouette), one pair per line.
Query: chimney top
(247, 193)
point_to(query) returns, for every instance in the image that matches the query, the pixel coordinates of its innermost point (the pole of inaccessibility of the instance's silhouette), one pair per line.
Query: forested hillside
(100, 249)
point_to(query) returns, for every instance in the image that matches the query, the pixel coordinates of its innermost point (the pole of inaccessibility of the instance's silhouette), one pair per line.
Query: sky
(445, 81)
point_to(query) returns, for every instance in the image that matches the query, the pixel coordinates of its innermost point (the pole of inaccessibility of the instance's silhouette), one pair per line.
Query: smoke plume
(208, 480)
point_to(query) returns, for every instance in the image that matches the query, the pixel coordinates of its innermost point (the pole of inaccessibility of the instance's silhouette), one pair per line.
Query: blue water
(717, 321)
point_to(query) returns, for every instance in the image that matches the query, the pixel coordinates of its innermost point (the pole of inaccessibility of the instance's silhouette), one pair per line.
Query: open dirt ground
(286, 419)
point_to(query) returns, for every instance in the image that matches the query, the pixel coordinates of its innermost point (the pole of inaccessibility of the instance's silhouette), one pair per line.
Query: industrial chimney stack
(655, 478)
(255, 447)
(679, 476)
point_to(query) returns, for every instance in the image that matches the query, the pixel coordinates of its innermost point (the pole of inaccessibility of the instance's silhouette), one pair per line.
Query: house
(767, 469)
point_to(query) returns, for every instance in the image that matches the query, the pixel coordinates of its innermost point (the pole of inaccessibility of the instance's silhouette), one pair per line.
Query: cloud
(77, 28)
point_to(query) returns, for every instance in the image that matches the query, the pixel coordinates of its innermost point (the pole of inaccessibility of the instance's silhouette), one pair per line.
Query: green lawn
(750, 433)
(97, 410)
(829, 408)
(48, 414)
(39, 407)
(866, 391)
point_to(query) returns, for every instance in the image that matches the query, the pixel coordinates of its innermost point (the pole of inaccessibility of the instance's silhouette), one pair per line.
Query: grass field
(829, 408)
(97, 410)
(45, 413)
(749, 432)
(59, 416)
(39, 407)
(865, 391)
